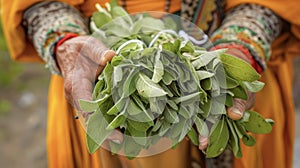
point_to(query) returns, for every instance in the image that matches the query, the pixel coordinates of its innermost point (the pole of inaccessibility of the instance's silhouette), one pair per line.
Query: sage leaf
(207, 84)
(140, 126)
(184, 112)
(119, 105)
(170, 115)
(219, 137)
(257, 124)
(114, 147)
(130, 83)
(144, 116)
(204, 74)
(188, 98)
(185, 130)
(89, 106)
(206, 58)
(167, 89)
(249, 140)
(158, 70)
(138, 136)
(172, 104)
(163, 86)
(201, 127)
(158, 104)
(157, 125)
(239, 92)
(234, 139)
(176, 129)
(100, 19)
(98, 87)
(168, 78)
(116, 122)
(193, 136)
(131, 147)
(96, 131)
(164, 128)
(254, 86)
(238, 69)
(133, 108)
(147, 88)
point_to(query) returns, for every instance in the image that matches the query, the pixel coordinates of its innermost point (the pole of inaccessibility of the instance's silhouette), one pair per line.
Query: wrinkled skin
(82, 59)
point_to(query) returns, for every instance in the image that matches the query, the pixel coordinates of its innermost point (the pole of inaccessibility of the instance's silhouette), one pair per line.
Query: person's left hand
(235, 112)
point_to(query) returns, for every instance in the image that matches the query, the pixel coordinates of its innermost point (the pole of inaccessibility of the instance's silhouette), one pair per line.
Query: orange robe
(66, 137)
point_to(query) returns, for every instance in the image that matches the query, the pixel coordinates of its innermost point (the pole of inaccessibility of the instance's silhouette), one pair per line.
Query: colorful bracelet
(60, 42)
(255, 64)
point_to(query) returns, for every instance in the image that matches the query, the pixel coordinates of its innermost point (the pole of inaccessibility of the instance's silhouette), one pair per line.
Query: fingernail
(116, 141)
(203, 143)
(203, 139)
(235, 114)
(236, 111)
(105, 57)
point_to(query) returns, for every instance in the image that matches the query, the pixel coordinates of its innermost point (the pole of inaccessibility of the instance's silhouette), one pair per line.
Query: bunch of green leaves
(114, 26)
(225, 77)
(160, 85)
(147, 94)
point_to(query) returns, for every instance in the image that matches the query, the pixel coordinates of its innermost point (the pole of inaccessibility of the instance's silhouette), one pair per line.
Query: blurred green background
(23, 111)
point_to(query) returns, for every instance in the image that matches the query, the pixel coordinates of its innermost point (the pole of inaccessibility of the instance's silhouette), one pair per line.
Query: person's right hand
(81, 59)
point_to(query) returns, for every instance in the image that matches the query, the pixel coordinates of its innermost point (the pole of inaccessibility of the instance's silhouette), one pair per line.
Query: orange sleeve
(22, 50)
(19, 47)
(287, 9)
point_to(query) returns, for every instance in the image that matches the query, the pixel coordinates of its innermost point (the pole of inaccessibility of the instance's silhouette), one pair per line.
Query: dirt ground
(23, 113)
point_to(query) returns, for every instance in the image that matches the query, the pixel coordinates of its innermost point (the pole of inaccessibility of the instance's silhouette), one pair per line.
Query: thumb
(236, 112)
(96, 51)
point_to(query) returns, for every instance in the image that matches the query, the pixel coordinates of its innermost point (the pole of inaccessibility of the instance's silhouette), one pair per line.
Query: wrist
(63, 39)
(243, 53)
(47, 23)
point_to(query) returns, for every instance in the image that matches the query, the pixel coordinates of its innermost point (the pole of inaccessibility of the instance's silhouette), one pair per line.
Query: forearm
(250, 28)
(48, 22)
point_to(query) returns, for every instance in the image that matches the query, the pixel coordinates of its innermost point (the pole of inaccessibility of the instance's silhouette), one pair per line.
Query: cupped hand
(81, 60)
(235, 112)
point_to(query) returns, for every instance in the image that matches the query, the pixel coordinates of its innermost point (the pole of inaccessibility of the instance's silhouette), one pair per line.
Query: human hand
(235, 112)
(81, 60)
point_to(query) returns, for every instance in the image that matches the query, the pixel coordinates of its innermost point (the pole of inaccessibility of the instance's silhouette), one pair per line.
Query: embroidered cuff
(253, 26)
(47, 23)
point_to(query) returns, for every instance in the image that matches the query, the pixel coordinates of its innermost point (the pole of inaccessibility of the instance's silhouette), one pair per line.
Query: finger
(203, 142)
(116, 136)
(106, 57)
(236, 112)
(97, 51)
(236, 52)
(98, 72)
(81, 90)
